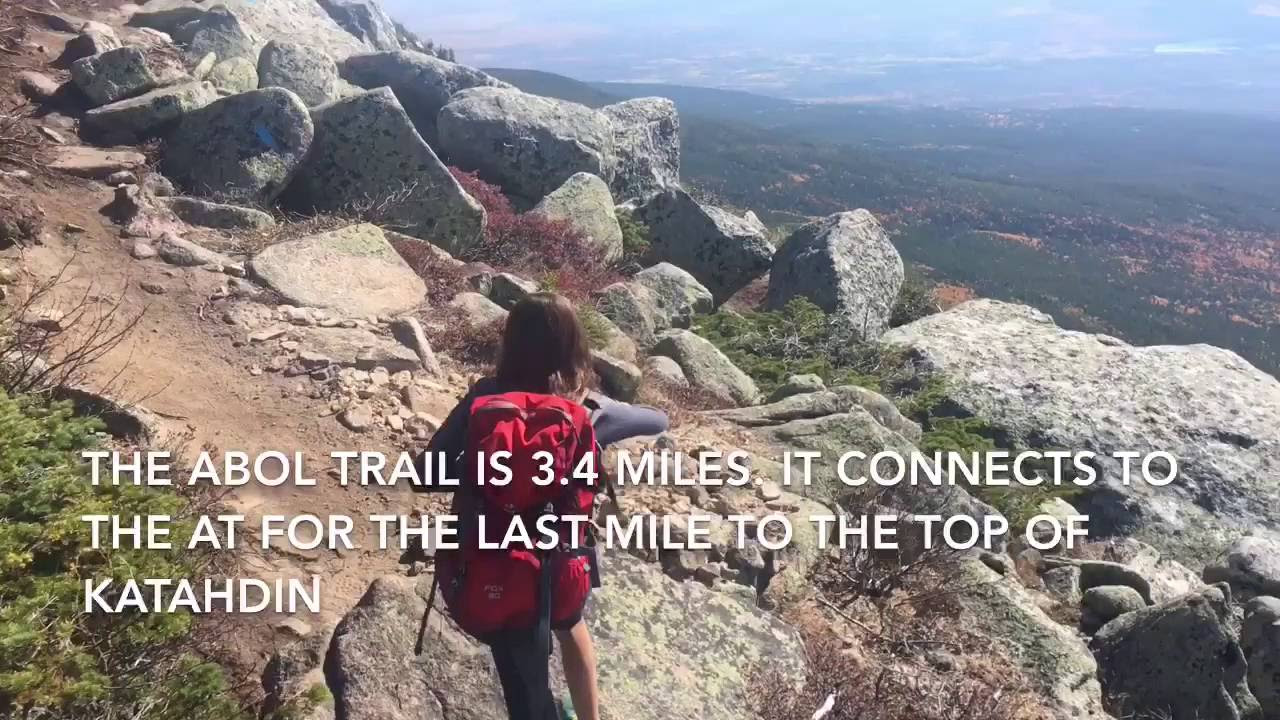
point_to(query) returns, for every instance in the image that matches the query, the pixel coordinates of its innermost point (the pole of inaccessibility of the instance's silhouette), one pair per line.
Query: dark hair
(544, 348)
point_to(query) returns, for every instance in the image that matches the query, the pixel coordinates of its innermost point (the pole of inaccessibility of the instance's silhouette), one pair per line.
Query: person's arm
(615, 421)
(449, 439)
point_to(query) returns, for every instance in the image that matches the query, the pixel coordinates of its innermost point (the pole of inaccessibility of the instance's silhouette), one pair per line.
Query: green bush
(636, 237)
(915, 300)
(56, 661)
(770, 345)
(595, 325)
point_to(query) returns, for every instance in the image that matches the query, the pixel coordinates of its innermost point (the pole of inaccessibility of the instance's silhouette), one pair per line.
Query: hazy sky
(833, 48)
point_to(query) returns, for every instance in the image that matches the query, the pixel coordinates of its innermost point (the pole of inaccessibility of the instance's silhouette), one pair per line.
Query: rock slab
(352, 269)
(665, 649)
(1049, 387)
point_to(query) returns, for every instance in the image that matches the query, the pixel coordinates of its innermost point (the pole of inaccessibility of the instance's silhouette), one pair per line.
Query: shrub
(56, 661)
(595, 325)
(771, 345)
(444, 276)
(915, 300)
(550, 252)
(637, 238)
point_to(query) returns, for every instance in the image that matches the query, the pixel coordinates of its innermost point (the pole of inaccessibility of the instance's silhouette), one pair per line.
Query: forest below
(1156, 226)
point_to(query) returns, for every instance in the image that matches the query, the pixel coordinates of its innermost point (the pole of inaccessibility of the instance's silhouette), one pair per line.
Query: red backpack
(488, 591)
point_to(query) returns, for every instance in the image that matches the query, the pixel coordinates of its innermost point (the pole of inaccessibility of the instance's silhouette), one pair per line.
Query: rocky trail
(282, 223)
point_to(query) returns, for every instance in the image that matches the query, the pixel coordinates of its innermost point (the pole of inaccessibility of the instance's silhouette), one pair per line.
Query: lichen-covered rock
(366, 20)
(218, 31)
(1251, 567)
(353, 269)
(679, 650)
(632, 308)
(707, 368)
(1167, 577)
(619, 378)
(720, 249)
(1099, 573)
(845, 265)
(309, 73)
(136, 119)
(478, 310)
(1051, 656)
(1048, 387)
(856, 426)
(646, 135)
(217, 215)
(605, 336)
(244, 147)
(374, 674)
(527, 144)
(366, 150)
(234, 75)
(822, 403)
(1063, 584)
(1260, 639)
(256, 22)
(675, 294)
(507, 289)
(123, 73)
(423, 83)
(798, 385)
(1105, 603)
(665, 649)
(584, 202)
(1180, 660)
(665, 370)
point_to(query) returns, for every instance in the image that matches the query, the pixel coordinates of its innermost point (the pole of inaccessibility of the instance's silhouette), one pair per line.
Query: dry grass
(475, 348)
(18, 139)
(46, 343)
(11, 36)
(681, 403)
(443, 276)
(862, 686)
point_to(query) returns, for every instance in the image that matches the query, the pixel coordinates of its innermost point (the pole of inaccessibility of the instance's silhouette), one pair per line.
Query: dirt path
(183, 362)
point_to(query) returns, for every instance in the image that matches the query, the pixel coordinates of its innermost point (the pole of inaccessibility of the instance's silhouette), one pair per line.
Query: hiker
(544, 362)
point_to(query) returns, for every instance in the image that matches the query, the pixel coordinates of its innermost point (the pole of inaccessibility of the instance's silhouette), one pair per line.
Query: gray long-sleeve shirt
(613, 421)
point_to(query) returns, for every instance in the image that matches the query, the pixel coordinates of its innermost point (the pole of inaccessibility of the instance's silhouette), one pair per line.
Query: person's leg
(579, 656)
(522, 668)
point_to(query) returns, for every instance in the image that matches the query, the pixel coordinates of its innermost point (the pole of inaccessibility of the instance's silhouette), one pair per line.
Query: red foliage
(534, 246)
(445, 277)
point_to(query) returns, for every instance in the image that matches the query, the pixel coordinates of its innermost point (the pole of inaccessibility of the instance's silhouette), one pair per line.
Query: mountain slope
(556, 86)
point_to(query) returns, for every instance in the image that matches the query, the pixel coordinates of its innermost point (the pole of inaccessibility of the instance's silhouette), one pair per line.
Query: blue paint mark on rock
(264, 134)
